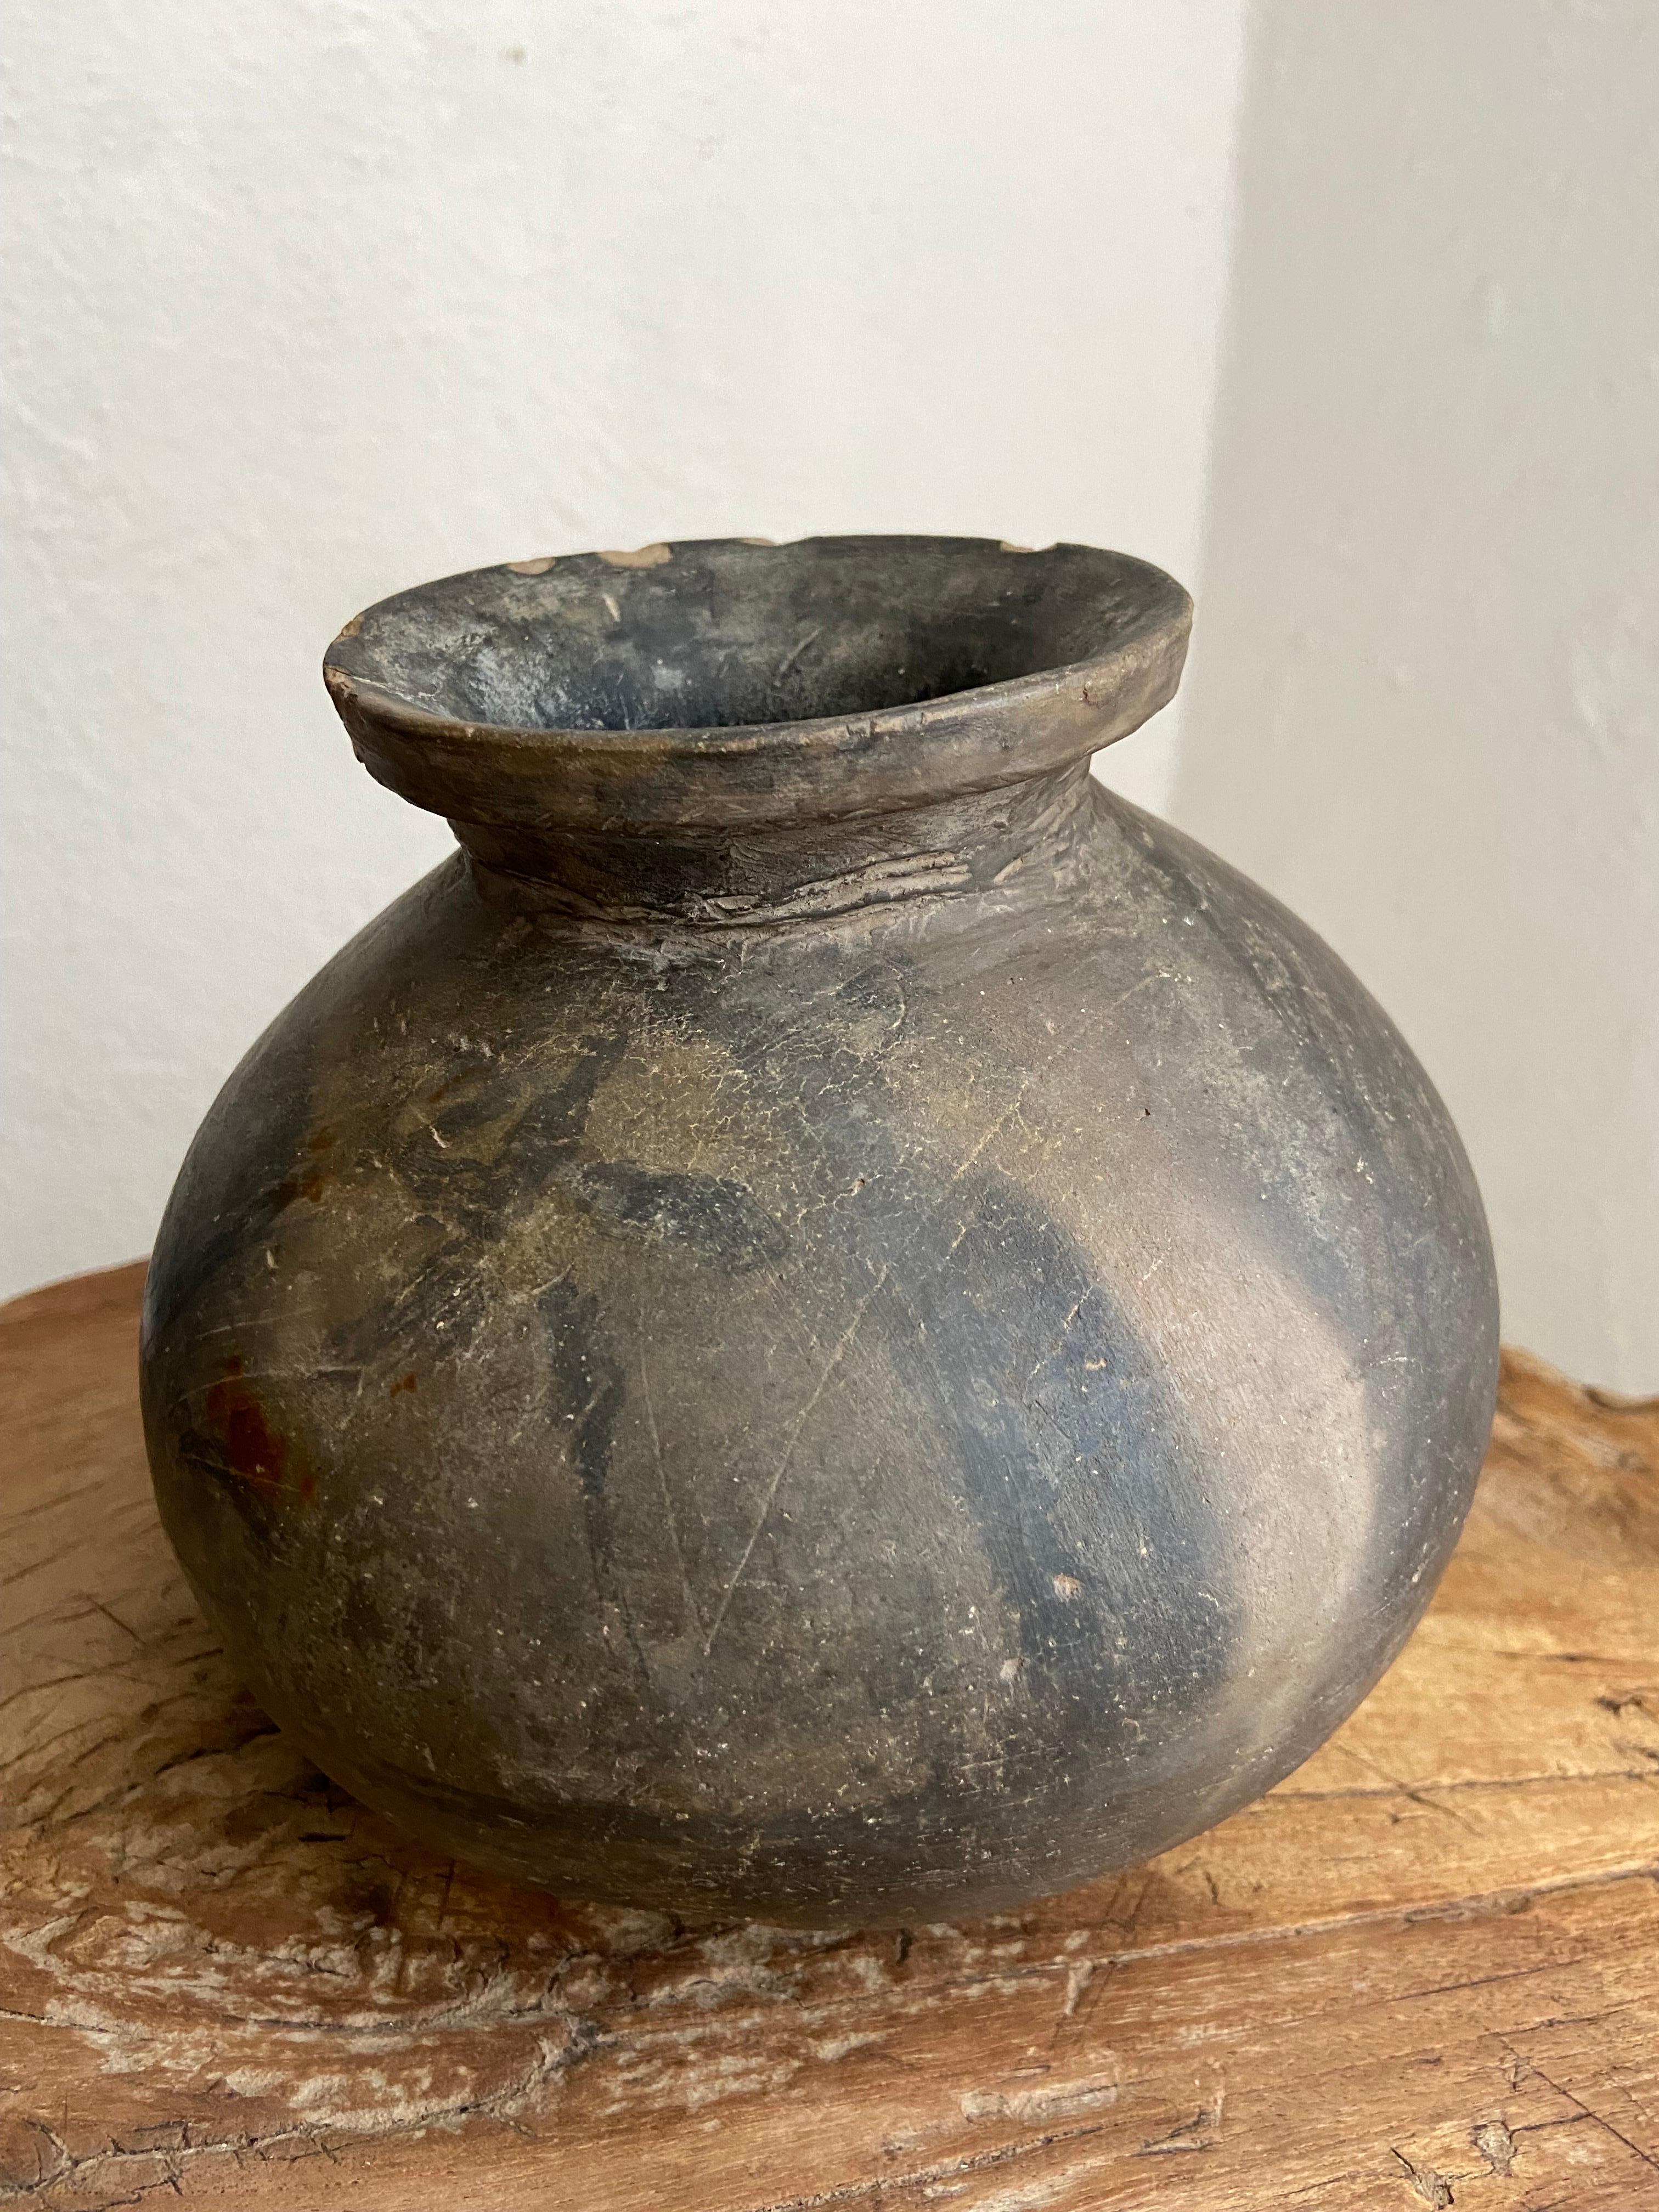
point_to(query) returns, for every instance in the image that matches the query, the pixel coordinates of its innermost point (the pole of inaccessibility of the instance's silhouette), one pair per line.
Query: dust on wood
(1424, 1971)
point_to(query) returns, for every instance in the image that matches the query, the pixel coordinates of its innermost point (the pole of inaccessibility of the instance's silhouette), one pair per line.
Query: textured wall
(1425, 707)
(311, 300)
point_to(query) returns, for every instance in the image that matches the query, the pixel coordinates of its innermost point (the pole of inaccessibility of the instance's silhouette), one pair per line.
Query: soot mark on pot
(263, 1117)
(1355, 1064)
(1052, 1426)
(480, 1143)
(474, 1170)
(1079, 1477)
(1394, 1293)
(719, 1219)
(586, 1393)
(585, 1375)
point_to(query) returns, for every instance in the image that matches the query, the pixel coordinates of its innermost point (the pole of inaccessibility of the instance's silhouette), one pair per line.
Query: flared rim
(1080, 647)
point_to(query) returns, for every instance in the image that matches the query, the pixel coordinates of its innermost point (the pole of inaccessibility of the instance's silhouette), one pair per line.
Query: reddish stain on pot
(311, 1186)
(312, 1181)
(261, 1455)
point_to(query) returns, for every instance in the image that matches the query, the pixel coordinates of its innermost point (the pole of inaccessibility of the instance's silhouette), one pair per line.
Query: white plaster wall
(313, 300)
(1424, 704)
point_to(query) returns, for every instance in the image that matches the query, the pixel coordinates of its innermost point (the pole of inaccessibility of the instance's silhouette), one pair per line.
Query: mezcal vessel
(827, 1321)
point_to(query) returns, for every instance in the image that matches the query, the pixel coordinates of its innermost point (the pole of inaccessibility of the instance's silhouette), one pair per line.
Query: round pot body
(828, 1322)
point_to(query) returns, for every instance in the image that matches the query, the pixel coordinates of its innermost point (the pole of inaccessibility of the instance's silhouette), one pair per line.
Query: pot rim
(726, 776)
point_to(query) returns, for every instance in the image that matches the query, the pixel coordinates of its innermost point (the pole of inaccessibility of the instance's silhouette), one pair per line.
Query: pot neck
(1018, 838)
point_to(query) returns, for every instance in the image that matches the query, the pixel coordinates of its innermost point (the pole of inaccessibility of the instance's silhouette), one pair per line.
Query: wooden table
(1425, 1971)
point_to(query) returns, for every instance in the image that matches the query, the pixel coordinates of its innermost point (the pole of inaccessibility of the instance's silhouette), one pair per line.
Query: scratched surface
(827, 1322)
(1424, 1971)
(871, 1420)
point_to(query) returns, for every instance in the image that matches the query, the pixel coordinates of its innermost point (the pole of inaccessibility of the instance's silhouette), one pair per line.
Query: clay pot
(827, 1321)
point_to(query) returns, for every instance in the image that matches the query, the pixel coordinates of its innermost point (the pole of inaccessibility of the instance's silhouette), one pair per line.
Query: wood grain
(1424, 1971)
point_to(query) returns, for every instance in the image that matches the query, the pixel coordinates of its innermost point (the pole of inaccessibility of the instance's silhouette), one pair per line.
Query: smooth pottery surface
(828, 1322)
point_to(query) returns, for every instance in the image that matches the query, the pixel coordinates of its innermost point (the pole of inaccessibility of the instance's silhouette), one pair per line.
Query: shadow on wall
(1423, 705)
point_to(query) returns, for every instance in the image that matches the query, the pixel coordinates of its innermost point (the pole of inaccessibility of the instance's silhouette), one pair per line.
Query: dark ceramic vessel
(828, 1321)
